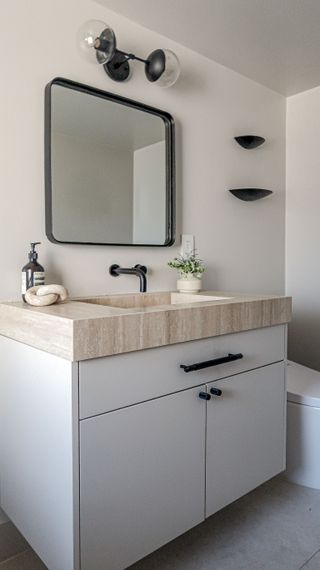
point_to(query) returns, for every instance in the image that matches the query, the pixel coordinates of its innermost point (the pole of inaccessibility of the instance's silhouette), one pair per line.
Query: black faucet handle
(142, 268)
(113, 270)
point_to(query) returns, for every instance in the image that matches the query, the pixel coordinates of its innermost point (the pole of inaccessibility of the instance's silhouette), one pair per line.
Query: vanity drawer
(113, 382)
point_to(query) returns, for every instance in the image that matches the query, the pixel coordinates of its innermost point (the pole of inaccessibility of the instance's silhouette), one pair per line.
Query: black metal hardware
(118, 67)
(204, 396)
(155, 65)
(250, 194)
(138, 270)
(209, 363)
(250, 141)
(142, 267)
(216, 391)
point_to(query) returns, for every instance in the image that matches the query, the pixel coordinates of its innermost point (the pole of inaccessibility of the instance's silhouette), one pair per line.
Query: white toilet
(303, 431)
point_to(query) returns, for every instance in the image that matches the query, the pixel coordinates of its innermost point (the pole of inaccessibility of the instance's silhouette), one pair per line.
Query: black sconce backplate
(118, 67)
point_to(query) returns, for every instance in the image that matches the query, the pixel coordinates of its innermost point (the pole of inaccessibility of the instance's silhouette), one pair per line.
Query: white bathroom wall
(242, 244)
(303, 225)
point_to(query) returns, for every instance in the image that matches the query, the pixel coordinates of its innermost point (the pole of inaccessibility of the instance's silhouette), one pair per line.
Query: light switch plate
(187, 244)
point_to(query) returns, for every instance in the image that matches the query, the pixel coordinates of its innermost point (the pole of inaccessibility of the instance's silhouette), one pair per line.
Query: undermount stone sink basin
(144, 300)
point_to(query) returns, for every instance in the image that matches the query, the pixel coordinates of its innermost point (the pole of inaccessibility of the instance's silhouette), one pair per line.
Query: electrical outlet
(187, 244)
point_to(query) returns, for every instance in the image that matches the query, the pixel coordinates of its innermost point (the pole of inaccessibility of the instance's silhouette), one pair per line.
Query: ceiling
(274, 42)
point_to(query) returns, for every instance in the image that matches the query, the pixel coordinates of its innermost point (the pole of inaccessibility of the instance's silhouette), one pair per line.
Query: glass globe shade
(162, 67)
(96, 41)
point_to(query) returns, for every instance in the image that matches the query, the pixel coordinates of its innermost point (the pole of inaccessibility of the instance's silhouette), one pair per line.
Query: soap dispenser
(32, 273)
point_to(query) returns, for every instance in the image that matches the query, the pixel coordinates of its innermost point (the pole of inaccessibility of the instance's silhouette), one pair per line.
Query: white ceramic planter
(189, 284)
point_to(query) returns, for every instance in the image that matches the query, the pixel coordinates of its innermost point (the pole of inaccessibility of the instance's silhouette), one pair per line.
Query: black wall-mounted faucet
(138, 270)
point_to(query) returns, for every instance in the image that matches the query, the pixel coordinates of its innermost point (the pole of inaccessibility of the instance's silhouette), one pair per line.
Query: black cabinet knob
(216, 392)
(204, 396)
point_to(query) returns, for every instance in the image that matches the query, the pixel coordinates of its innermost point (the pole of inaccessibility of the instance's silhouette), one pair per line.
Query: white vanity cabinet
(142, 472)
(245, 434)
(124, 452)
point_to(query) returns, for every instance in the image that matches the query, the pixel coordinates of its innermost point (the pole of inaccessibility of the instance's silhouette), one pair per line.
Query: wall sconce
(97, 42)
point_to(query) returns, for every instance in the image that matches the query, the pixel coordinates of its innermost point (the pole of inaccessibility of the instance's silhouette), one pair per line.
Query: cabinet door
(142, 478)
(245, 434)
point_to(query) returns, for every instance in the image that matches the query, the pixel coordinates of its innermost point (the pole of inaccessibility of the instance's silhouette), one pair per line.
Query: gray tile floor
(276, 527)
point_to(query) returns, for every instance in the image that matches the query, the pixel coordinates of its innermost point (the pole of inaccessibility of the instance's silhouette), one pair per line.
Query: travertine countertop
(88, 328)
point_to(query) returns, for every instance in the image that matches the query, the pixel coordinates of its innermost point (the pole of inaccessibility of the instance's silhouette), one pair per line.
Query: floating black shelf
(250, 194)
(250, 141)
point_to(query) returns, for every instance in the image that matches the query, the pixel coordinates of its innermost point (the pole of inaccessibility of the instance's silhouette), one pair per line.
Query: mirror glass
(109, 169)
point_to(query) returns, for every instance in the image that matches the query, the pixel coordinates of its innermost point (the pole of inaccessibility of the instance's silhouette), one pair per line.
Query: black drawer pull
(208, 363)
(204, 396)
(216, 392)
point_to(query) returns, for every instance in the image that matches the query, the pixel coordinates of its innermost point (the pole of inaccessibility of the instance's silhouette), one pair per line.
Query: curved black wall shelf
(250, 141)
(250, 194)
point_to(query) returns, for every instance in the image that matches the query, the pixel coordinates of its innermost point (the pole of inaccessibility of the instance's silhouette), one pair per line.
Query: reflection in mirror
(109, 169)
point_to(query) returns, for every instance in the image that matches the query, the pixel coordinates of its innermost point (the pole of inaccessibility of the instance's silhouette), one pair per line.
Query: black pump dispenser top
(33, 254)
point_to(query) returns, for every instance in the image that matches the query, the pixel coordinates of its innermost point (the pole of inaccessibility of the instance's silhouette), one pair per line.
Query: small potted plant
(190, 267)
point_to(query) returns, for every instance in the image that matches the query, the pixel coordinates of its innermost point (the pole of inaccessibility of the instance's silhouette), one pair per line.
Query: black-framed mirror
(109, 168)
